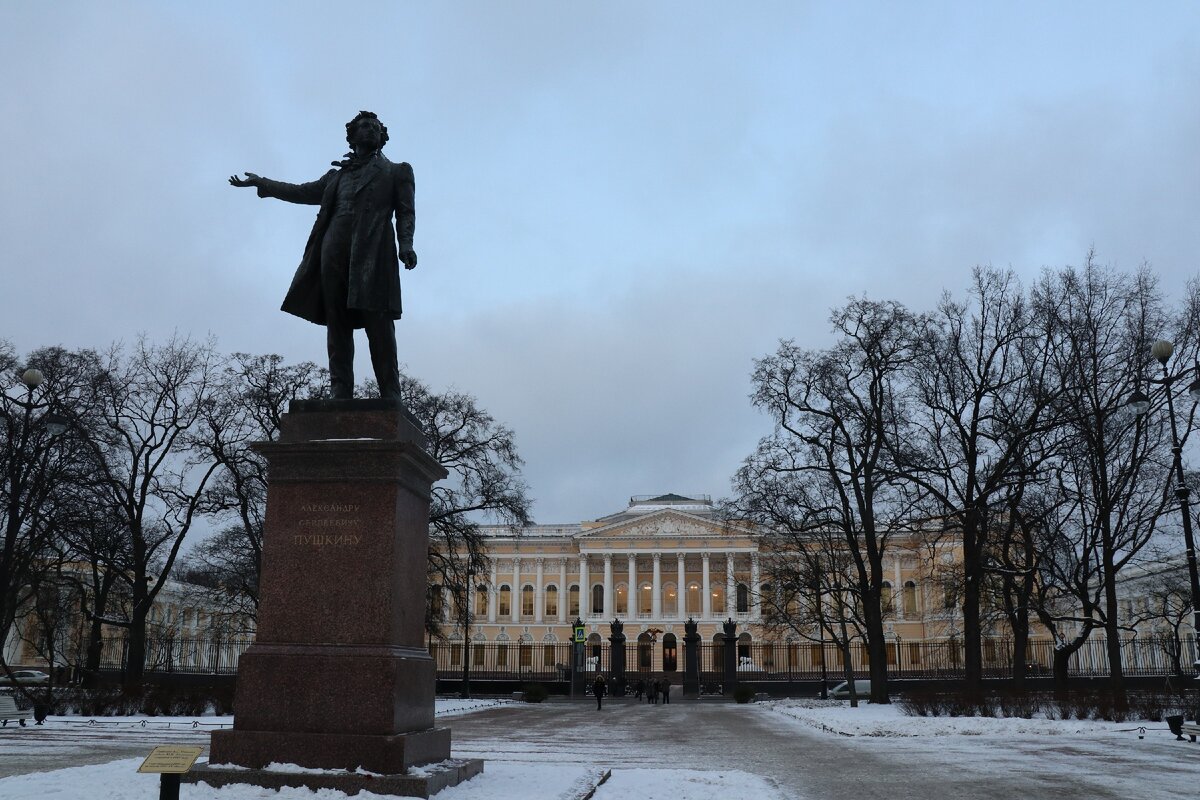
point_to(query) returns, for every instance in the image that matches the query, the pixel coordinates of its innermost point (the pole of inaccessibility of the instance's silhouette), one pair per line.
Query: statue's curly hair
(359, 118)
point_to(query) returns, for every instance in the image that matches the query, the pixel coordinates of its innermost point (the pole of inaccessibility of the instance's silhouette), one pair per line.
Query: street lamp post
(1140, 403)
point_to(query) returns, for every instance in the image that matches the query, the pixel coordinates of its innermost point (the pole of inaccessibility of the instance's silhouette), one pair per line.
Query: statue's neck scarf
(352, 160)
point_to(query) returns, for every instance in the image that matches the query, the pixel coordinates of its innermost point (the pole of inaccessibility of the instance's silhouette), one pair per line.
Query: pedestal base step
(420, 782)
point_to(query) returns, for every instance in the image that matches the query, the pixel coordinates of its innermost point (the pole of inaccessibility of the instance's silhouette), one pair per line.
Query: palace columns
(493, 595)
(730, 586)
(515, 594)
(755, 600)
(705, 588)
(539, 594)
(656, 588)
(631, 593)
(681, 591)
(564, 596)
(585, 589)
(608, 585)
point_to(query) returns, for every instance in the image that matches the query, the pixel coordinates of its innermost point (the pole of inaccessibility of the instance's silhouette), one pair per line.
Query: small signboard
(171, 759)
(580, 634)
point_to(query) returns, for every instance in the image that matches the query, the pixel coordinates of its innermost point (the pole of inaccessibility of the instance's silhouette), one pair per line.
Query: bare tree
(39, 464)
(159, 405)
(1113, 469)
(827, 468)
(982, 400)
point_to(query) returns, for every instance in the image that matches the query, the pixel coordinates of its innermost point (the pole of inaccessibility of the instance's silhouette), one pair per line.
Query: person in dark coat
(640, 689)
(349, 276)
(599, 689)
(666, 690)
(652, 693)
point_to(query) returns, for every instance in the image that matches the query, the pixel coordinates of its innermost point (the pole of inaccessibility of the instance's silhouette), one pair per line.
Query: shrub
(743, 693)
(535, 692)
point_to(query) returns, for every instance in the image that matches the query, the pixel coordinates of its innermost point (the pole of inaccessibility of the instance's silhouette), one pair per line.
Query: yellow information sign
(580, 634)
(171, 759)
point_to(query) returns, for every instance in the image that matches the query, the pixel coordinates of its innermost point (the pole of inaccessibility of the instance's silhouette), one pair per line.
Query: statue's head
(371, 121)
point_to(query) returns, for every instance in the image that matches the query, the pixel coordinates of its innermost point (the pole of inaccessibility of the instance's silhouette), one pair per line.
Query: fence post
(691, 659)
(617, 657)
(731, 676)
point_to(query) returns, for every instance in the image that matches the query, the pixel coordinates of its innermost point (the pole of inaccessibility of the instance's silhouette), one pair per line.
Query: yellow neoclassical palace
(656, 563)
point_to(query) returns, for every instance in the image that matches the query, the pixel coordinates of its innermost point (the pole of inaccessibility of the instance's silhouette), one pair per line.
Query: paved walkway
(813, 765)
(804, 763)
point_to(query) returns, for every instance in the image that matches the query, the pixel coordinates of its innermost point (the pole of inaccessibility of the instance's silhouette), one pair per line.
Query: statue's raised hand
(250, 180)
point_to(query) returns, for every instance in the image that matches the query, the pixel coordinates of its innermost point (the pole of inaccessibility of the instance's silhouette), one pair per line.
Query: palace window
(552, 601)
(718, 600)
(743, 598)
(436, 602)
(670, 601)
(645, 601)
(505, 600)
(693, 599)
(573, 600)
(645, 650)
(598, 599)
(622, 601)
(885, 599)
(910, 599)
(481, 600)
(527, 600)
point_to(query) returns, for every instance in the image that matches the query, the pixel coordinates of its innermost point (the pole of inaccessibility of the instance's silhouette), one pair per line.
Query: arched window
(645, 601)
(670, 606)
(481, 600)
(910, 599)
(718, 652)
(573, 600)
(670, 653)
(743, 598)
(645, 647)
(622, 601)
(505, 600)
(436, 604)
(527, 600)
(743, 647)
(885, 599)
(718, 600)
(596, 646)
(552, 601)
(598, 599)
(693, 599)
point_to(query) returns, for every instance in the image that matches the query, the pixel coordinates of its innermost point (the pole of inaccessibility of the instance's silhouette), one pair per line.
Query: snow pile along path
(836, 716)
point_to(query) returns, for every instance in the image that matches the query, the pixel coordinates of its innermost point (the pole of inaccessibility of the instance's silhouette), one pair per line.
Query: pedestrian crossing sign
(579, 634)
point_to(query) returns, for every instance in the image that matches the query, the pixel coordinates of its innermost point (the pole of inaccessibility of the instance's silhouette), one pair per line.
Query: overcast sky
(619, 204)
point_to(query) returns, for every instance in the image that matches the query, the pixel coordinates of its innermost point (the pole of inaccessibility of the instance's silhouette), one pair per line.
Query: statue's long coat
(374, 283)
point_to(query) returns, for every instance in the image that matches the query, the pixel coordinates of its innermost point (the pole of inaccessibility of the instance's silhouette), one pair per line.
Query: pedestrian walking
(652, 693)
(666, 690)
(599, 688)
(640, 689)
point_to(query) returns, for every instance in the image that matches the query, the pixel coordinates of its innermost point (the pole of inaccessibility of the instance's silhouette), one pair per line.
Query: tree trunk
(135, 663)
(1112, 633)
(1020, 656)
(972, 627)
(877, 652)
(1062, 658)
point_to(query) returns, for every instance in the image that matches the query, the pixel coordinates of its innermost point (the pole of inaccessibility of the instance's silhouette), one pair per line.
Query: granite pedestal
(338, 677)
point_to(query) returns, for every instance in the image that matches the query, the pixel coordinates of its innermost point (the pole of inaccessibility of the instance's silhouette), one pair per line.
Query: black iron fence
(185, 656)
(756, 661)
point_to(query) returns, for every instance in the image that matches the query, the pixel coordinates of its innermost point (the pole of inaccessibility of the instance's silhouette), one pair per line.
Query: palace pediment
(665, 524)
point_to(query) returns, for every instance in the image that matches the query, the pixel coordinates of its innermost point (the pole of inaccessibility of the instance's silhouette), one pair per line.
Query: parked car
(842, 690)
(28, 677)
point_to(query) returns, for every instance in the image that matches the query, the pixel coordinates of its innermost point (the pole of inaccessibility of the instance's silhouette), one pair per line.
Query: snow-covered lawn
(836, 716)
(501, 780)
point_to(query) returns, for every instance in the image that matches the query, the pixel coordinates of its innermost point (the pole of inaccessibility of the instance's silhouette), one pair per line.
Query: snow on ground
(120, 780)
(836, 716)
